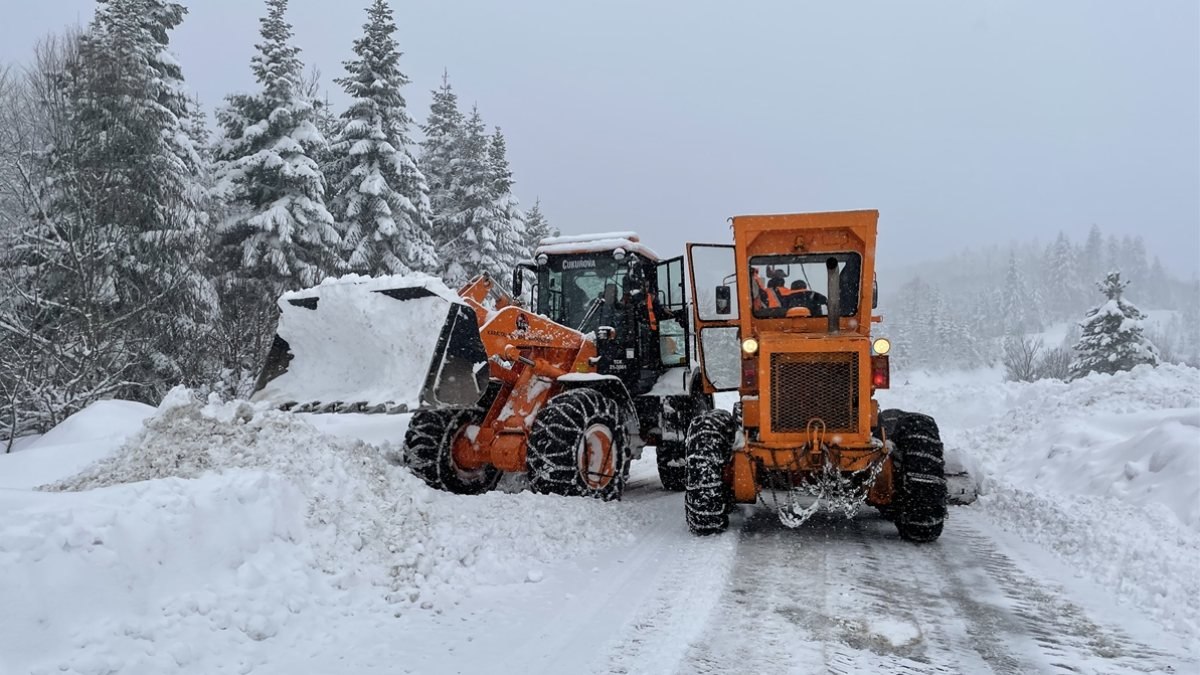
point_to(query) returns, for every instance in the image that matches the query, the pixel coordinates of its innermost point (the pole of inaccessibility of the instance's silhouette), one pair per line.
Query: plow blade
(384, 345)
(962, 485)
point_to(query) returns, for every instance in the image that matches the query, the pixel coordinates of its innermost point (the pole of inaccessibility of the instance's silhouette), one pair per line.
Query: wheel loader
(783, 316)
(566, 387)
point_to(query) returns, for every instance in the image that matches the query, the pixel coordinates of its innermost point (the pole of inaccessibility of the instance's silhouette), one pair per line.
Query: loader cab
(612, 287)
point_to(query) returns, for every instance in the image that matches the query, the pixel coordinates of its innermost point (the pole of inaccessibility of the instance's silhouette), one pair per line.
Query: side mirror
(724, 301)
(874, 293)
(518, 281)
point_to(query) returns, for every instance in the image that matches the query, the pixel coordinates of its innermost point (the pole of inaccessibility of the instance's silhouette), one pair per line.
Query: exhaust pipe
(834, 295)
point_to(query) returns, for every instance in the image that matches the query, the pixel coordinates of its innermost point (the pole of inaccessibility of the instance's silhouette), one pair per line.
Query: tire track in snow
(1068, 640)
(846, 597)
(689, 587)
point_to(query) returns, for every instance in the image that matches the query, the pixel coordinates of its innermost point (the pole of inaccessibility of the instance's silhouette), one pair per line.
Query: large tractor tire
(709, 448)
(920, 495)
(428, 444)
(578, 446)
(887, 428)
(672, 465)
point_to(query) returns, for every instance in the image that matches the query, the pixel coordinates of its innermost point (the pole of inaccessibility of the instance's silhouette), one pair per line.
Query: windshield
(568, 287)
(798, 285)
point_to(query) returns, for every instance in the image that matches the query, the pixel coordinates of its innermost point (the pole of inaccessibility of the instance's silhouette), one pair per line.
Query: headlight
(543, 259)
(618, 254)
(881, 346)
(750, 345)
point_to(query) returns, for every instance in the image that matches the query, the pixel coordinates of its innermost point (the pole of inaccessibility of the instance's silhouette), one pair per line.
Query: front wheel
(578, 446)
(920, 509)
(429, 445)
(707, 498)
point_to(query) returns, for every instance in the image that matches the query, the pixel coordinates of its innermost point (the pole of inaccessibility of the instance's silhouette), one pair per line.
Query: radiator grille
(814, 385)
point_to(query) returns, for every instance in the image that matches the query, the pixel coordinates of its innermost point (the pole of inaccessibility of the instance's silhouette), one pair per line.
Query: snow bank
(82, 438)
(149, 577)
(1104, 471)
(224, 525)
(1133, 436)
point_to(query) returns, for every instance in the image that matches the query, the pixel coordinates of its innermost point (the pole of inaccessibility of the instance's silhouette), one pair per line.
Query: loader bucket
(392, 344)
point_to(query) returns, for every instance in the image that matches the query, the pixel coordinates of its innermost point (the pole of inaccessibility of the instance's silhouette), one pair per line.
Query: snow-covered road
(224, 540)
(849, 597)
(834, 596)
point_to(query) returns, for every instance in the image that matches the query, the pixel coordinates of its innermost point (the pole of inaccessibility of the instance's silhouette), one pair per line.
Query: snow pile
(1133, 436)
(223, 525)
(358, 344)
(79, 440)
(1104, 471)
(362, 507)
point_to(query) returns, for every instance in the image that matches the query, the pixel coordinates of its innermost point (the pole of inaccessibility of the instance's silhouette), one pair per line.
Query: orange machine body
(777, 387)
(527, 353)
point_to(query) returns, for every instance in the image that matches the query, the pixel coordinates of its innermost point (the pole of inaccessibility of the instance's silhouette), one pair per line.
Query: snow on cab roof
(595, 243)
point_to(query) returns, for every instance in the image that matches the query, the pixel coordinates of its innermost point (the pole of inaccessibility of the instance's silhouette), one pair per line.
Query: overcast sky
(964, 123)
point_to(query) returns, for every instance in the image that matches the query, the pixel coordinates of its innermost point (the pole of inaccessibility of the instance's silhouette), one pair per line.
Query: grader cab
(784, 318)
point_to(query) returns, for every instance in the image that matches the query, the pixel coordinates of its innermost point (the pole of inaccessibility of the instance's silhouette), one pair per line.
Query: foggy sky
(964, 123)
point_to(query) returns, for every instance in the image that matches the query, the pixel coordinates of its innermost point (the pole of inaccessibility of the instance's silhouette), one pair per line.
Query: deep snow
(71, 446)
(224, 537)
(1103, 471)
(223, 525)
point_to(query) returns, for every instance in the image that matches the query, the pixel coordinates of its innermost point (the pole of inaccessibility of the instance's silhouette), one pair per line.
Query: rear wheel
(887, 428)
(920, 508)
(672, 462)
(672, 465)
(429, 444)
(577, 446)
(709, 448)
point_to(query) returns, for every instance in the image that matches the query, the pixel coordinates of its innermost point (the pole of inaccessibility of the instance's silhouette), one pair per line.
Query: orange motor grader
(784, 318)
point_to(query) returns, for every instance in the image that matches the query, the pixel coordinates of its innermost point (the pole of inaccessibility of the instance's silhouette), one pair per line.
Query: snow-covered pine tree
(471, 242)
(1092, 265)
(127, 171)
(443, 134)
(537, 227)
(1135, 265)
(1189, 335)
(1160, 286)
(1064, 294)
(324, 118)
(910, 324)
(1018, 303)
(382, 199)
(1112, 255)
(1112, 337)
(508, 219)
(278, 234)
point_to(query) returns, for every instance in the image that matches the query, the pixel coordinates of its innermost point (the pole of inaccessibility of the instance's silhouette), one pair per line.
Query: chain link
(839, 492)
